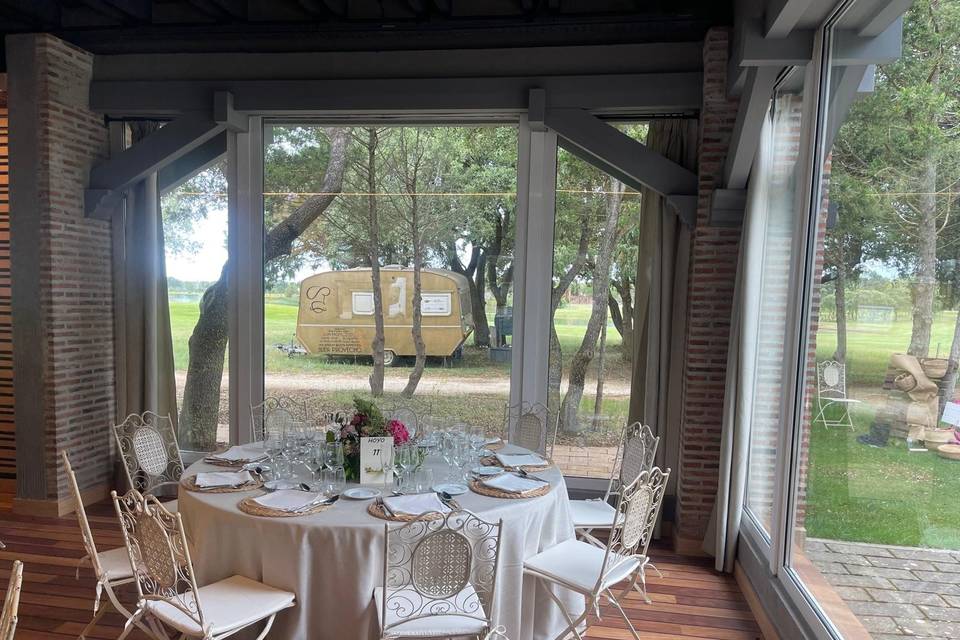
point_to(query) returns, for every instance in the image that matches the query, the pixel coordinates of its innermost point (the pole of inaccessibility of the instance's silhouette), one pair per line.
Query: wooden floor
(690, 601)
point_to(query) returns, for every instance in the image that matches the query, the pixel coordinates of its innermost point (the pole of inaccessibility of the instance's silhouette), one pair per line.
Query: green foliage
(375, 422)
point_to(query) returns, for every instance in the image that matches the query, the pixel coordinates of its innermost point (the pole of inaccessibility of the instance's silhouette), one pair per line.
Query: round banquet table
(333, 560)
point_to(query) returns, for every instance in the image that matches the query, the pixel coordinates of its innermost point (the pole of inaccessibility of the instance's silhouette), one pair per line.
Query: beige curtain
(146, 345)
(723, 530)
(661, 300)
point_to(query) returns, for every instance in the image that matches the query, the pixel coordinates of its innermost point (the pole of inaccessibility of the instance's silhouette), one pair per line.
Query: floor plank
(690, 600)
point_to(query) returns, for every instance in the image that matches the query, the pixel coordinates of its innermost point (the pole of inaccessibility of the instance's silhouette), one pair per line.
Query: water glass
(333, 481)
(387, 463)
(422, 480)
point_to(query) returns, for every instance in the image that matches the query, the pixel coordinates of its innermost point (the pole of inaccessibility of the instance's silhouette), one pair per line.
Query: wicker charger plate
(495, 446)
(249, 506)
(949, 451)
(375, 508)
(190, 484)
(493, 461)
(478, 487)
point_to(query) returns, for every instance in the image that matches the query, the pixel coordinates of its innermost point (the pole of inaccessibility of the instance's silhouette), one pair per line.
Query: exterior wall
(62, 285)
(713, 264)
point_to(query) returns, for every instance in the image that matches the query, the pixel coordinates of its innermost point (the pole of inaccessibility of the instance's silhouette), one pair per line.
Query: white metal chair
(439, 577)
(526, 426)
(832, 392)
(151, 456)
(407, 416)
(167, 591)
(111, 568)
(635, 454)
(595, 572)
(275, 413)
(11, 602)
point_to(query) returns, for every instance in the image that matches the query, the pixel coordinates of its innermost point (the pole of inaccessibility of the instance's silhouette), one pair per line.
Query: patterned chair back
(148, 445)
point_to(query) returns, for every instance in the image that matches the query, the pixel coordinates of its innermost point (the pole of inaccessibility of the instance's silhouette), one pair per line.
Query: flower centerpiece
(367, 421)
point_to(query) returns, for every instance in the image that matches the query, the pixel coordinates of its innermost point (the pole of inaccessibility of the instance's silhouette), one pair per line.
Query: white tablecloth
(333, 560)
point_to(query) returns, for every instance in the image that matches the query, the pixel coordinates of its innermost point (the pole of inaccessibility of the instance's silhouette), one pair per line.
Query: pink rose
(399, 432)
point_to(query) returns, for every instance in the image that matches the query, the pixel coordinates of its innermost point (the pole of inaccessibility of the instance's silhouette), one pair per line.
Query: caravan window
(435, 304)
(363, 303)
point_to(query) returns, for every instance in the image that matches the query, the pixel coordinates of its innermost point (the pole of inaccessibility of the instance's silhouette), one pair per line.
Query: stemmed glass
(387, 462)
(405, 460)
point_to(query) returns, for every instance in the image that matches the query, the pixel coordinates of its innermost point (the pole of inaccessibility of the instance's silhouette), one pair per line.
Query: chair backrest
(638, 452)
(151, 455)
(11, 602)
(88, 544)
(832, 379)
(275, 414)
(527, 426)
(407, 416)
(159, 554)
(440, 567)
(638, 506)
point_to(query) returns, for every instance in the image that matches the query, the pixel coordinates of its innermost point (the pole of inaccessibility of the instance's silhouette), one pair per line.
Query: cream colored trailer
(336, 312)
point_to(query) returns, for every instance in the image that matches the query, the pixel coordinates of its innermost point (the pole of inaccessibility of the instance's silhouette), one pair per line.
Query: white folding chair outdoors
(111, 568)
(407, 416)
(635, 453)
(439, 577)
(151, 455)
(595, 572)
(832, 395)
(526, 426)
(11, 602)
(276, 414)
(167, 591)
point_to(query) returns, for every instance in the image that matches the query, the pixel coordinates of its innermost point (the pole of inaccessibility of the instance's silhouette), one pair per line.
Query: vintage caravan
(336, 312)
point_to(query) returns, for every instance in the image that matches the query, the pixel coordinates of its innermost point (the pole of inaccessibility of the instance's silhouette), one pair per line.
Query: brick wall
(713, 264)
(62, 288)
(8, 460)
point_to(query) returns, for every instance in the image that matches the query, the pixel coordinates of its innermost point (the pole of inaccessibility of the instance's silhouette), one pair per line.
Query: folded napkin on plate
(513, 484)
(492, 441)
(287, 499)
(210, 479)
(520, 459)
(241, 453)
(415, 504)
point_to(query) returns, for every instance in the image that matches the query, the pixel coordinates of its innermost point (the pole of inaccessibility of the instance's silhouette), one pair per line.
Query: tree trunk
(601, 291)
(598, 402)
(481, 328)
(840, 287)
(500, 288)
(417, 331)
(950, 382)
(208, 342)
(373, 220)
(623, 318)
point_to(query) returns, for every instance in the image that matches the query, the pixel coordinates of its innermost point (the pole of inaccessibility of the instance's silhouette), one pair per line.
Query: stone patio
(895, 592)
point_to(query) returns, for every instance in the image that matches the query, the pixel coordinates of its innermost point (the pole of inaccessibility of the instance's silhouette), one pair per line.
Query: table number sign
(376, 456)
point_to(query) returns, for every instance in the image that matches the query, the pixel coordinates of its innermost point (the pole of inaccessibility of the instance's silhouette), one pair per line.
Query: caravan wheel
(389, 358)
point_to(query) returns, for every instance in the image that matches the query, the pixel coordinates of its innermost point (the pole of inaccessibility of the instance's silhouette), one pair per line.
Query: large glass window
(876, 525)
(596, 235)
(195, 244)
(388, 267)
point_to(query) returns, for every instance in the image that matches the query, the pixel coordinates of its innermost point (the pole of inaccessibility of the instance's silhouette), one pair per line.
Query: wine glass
(387, 455)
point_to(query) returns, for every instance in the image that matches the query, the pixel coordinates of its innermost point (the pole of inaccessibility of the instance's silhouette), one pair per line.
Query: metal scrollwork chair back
(151, 455)
(638, 451)
(276, 414)
(11, 602)
(407, 416)
(527, 426)
(444, 570)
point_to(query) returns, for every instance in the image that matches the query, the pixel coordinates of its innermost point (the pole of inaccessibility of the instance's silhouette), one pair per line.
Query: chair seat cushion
(433, 626)
(577, 565)
(589, 514)
(115, 564)
(228, 605)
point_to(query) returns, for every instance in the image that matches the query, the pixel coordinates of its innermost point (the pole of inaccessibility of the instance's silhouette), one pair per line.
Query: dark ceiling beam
(782, 16)
(124, 11)
(340, 8)
(444, 6)
(32, 14)
(220, 10)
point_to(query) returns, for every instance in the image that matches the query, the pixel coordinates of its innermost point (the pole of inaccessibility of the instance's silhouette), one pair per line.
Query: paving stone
(901, 563)
(878, 623)
(858, 549)
(814, 546)
(942, 614)
(883, 572)
(931, 555)
(833, 567)
(846, 558)
(938, 576)
(950, 567)
(905, 597)
(859, 593)
(929, 587)
(885, 609)
(858, 581)
(929, 628)
(953, 601)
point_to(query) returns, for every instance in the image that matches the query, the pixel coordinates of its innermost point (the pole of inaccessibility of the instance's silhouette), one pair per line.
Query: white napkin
(415, 504)
(513, 484)
(520, 459)
(207, 480)
(287, 499)
(241, 452)
(491, 441)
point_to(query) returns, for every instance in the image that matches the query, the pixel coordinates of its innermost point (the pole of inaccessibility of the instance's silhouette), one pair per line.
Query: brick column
(713, 265)
(61, 267)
